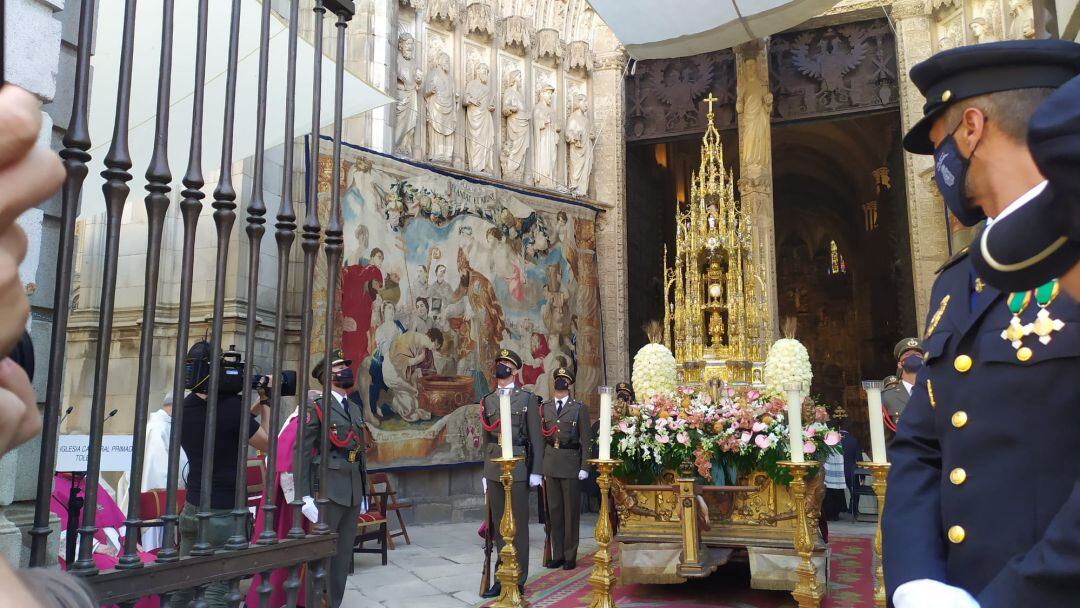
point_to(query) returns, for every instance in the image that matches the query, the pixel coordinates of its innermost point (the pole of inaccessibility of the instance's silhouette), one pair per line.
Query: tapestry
(439, 273)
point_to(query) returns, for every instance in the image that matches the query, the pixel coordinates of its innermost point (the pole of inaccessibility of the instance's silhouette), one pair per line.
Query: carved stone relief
(1021, 20)
(516, 33)
(578, 56)
(548, 45)
(664, 95)
(405, 110)
(833, 70)
(442, 10)
(480, 18)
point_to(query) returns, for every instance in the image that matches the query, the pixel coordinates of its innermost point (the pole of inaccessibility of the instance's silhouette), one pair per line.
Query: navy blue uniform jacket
(983, 493)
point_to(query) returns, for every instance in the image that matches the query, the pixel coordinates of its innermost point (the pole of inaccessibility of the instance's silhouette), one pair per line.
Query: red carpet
(850, 585)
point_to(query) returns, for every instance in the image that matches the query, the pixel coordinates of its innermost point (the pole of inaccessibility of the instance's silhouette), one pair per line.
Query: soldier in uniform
(566, 448)
(983, 501)
(909, 358)
(624, 392)
(345, 485)
(527, 439)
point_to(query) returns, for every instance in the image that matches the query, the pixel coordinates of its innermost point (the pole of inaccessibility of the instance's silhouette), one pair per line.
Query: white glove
(534, 480)
(309, 509)
(581, 475)
(483, 482)
(928, 593)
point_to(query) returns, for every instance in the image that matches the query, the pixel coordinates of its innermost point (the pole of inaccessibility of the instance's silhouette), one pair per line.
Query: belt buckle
(352, 455)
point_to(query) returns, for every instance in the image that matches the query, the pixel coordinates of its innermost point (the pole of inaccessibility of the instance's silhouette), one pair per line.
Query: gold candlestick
(880, 471)
(509, 570)
(807, 591)
(602, 579)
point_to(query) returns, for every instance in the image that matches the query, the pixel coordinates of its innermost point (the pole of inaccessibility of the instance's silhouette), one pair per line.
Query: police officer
(624, 392)
(527, 441)
(909, 358)
(982, 500)
(346, 472)
(566, 448)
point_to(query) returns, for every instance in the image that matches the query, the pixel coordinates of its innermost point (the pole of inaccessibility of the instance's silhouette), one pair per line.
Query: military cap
(968, 71)
(336, 356)
(509, 356)
(624, 388)
(1037, 238)
(563, 372)
(905, 345)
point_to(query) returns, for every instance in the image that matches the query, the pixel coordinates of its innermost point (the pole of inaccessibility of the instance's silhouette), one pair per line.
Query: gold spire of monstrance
(715, 309)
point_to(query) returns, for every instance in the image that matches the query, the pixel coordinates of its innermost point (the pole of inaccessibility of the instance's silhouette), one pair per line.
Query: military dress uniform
(567, 437)
(345, 485)
(895, 396)
(983, 494)
(527, 439)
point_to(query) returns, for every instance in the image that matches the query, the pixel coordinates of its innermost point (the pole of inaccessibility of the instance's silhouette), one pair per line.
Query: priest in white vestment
(156, 463)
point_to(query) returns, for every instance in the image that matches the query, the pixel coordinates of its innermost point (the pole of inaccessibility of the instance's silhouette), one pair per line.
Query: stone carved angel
(479, 102)
(440, 101)
(580, 138)
(516, 120)
(405, 111)
(546, 138)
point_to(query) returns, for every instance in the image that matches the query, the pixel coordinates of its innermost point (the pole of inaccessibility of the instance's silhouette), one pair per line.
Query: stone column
(754, 105)
(609, 166)
(926, 218)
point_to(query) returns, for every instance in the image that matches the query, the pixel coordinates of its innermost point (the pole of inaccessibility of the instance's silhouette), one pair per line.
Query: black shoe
(554, 563)
(570, 565)
(494, 592)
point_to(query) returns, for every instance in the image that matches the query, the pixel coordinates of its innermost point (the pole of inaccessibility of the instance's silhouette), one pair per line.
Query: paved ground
(441, 568)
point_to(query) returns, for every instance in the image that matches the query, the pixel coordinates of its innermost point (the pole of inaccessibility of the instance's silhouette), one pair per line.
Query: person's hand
(927, 593)
(106, 549)
(581, 475)
(19, 417)
(483, 482)
(28, 174)
(534, 480)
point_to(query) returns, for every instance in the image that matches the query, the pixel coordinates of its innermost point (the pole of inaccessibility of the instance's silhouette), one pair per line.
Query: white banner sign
(72, 452)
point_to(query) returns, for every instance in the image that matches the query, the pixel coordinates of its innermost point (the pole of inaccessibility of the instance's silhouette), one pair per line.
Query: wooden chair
(377, 480)
(152, 507)
(372, 526)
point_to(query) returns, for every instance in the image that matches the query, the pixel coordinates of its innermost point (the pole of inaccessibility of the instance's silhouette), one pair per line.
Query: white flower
(654, 372)
(787, 362)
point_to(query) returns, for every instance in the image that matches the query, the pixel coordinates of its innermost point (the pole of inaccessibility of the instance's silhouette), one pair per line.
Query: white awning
(358, 95)
(678, 28)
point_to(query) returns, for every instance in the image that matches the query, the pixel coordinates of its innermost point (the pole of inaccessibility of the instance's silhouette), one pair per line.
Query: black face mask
(562, 384)
(912, 364)
(502, 371)
(344, 379)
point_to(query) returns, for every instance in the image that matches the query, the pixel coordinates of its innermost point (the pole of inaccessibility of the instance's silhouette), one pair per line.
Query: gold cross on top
(709, 100)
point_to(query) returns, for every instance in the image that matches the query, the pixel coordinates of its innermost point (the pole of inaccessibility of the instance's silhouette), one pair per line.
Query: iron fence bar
(158, 177)
(224, 216)
(115, 190)
(159, 578)
(190, 208)
(76, 144)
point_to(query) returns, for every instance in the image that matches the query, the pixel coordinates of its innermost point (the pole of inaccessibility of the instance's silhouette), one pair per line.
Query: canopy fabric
(679, 28)
(358, 95)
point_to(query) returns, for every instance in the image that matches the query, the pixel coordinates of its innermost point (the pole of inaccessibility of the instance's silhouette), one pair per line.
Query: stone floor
(441, 568)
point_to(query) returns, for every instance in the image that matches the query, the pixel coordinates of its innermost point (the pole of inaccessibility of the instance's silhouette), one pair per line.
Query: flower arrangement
(787, 361)
(743, 430)
(654, 371)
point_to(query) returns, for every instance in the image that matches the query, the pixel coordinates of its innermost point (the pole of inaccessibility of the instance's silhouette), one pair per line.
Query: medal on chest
(1044, 323)
(1014, 333)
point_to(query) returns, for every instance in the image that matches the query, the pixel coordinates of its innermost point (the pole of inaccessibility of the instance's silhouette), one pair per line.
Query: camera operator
(223, 481)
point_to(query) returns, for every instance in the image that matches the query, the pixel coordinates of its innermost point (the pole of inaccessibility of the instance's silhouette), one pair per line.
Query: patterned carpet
(850, 585)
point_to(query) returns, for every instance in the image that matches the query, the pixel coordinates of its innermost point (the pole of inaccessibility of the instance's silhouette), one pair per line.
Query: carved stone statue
(1023, 20)
(983, 31)
(516, 121)
(754, 104)
(441, 105)
(408, 80)
(546, 132)
(580, 138)
(480, 124)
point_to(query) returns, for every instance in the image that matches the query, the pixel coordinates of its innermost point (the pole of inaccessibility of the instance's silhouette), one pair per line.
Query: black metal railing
(241, 556)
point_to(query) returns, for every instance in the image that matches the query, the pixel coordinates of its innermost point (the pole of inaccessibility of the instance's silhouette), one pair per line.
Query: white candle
(505, 423)
(605, 422)
(877, 422)
(794, 415)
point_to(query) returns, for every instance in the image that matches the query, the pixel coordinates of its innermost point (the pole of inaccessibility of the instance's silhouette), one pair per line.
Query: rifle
(547, 521)
(489, 545)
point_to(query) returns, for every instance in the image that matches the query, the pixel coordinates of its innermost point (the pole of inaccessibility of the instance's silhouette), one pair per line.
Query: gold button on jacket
(956, 535)
(957, 476)
(962, 363)
(959, 419)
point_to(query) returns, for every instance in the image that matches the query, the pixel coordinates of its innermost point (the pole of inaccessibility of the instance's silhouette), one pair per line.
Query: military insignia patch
(937, 316)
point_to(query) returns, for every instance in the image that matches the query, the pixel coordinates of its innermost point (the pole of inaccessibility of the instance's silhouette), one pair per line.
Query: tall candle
(794, 415)
(605, 422)
(505, 423)
(877, 422)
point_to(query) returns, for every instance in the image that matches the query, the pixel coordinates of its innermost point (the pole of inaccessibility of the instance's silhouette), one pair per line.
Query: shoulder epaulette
(959, 255)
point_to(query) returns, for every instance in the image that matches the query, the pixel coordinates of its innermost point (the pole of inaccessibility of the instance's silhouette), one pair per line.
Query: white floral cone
(788, 361)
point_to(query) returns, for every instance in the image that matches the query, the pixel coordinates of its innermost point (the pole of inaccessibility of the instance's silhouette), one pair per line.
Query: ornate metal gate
(242, 556)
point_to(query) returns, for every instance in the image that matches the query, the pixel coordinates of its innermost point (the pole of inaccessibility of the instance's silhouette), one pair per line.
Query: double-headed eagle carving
(830, 62)
(679, 86)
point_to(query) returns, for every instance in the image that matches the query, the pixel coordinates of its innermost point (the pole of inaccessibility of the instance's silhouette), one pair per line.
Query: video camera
(231, 378)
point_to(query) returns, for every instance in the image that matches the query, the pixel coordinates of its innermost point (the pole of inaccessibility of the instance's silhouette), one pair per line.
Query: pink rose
(647, 423)
(730, 392)
(752, 395)
(832, 438)
(745, 438)
(808, 433)
(662, 439)
(683, 438)
(809, 447)
(624, 427)
(762, 441)
(760, 426)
